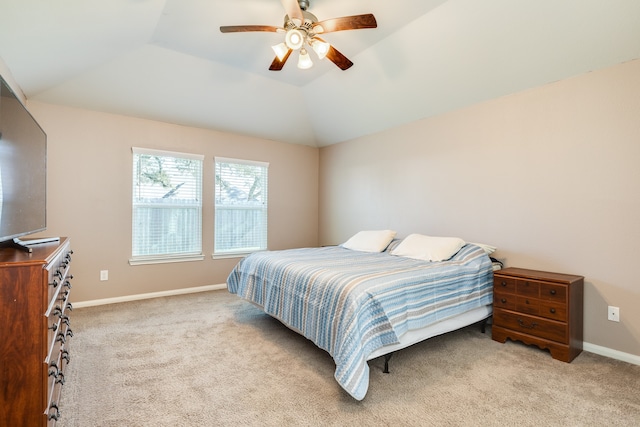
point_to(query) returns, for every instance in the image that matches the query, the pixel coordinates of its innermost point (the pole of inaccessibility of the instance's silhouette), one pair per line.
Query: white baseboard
(613, 354)
(148, 296)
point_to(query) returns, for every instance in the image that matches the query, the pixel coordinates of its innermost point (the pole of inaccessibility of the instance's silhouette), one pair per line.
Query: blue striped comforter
(351, 303)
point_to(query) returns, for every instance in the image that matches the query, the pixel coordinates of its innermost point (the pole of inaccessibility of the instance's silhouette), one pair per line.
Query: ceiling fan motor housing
(309, 20)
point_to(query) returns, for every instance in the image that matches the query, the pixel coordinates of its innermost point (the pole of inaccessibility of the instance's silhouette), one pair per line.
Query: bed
(360, 305)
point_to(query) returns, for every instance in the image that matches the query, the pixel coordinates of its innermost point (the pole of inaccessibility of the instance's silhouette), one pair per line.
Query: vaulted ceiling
(167, 60)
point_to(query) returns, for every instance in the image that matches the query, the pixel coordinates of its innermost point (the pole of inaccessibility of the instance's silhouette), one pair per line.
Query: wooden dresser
(539, 308)
(34, 333)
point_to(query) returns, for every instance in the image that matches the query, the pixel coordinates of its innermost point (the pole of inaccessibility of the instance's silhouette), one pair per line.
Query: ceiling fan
(301, 29)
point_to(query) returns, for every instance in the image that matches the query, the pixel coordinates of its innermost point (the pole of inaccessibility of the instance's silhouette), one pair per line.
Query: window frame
(197, 255)
(221, 254)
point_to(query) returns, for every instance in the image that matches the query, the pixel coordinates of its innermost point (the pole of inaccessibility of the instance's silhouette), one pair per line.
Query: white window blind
(167, 206)
(240, 206)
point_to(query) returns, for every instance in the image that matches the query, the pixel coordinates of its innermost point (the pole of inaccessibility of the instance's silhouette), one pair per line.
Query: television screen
(23, 169)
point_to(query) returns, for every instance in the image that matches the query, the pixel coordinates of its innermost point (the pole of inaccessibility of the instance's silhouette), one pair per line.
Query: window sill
(233, 255)
(165, 259)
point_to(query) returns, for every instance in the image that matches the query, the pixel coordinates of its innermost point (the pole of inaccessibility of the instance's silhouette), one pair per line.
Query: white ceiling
(167, 60)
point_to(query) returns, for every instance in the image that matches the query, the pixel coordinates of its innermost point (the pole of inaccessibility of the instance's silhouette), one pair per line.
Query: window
(240, 206)
(167, 206)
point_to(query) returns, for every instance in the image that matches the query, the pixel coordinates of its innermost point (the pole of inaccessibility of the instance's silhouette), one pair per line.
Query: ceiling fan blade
(292, 8)
(336, 57)
(245, 28)
(277, 64)
(355, 22)
(339, 59)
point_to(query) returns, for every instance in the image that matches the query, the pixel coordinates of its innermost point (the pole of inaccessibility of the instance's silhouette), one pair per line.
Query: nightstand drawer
(527, 305)
(532, 325)
(527, 288)
(504, 284)
(506, 301)
(553, 292)
(553, 311)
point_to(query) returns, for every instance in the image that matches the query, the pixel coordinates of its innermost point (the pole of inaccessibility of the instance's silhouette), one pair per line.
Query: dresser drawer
(58, 273)
(532, 325)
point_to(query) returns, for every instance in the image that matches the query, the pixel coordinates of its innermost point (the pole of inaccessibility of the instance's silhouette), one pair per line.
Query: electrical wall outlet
(104, 275)
(613, 314)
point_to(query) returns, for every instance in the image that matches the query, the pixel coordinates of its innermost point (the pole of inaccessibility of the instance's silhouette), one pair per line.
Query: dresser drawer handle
(56, 414)
(503, 283)
(61, 338)
(64, 296)
(60, 379)
(503, 300)
(552, 310)
(55, 371)
(552, 291)
(533, 324)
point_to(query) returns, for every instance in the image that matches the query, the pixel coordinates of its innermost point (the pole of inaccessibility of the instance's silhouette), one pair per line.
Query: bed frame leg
(386, 362)
(483, 325)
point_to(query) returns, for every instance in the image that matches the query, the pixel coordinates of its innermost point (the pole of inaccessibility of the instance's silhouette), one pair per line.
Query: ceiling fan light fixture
(294, 39)
(281, 50)
(304, 60)
(320, 48)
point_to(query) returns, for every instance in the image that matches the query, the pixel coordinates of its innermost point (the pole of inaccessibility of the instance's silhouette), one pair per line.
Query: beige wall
(89, 196)
(551, 176)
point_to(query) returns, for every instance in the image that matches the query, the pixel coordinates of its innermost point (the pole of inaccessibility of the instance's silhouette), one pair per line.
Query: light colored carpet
(212, 359)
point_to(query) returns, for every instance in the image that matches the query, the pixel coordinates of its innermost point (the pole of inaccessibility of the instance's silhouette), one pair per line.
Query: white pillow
(487, 248)
(428, 248)
(370, 241)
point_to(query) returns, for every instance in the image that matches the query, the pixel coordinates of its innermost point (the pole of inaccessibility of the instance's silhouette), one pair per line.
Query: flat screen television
(23, 170)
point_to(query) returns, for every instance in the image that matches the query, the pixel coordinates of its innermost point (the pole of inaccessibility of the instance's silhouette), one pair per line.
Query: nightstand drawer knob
(552, 291)
(503, 300)
(552, 310)
(503, 283)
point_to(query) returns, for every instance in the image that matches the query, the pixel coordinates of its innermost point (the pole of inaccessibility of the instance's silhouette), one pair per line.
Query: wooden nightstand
(539, 308)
